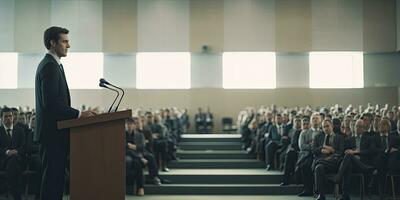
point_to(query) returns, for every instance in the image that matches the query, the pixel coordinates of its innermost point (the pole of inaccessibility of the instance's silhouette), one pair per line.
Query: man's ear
(53, 43)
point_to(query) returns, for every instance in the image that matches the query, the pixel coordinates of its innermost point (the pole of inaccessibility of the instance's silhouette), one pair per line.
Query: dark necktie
(384, 142)
(9, 133)
(327, 142)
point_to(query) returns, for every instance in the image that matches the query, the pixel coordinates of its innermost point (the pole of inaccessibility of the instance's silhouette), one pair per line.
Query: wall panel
(249, 25)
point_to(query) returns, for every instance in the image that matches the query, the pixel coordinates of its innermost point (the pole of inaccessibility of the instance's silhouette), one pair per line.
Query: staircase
(215, 164)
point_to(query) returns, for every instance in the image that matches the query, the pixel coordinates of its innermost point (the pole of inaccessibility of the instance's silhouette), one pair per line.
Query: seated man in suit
(159, 140)
(200, 121)
(305, 159)
(12, 152)
(34, 161)
(209, 120)
(387, 148)
(19, 123)
(273, 141)
(359, 156)
(328, 148)
(293, 150)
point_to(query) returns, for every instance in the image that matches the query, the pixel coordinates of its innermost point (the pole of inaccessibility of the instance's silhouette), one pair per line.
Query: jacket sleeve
(51, 100)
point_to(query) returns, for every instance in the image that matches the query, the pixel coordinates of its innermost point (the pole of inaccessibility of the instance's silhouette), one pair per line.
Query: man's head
(336, 125)
(384, 126)
(149, 118)
(130, 125)
(22, 118)
(268, 116)
(345, 129)
(377, 119)
(327, 126)
(278, 119)
(32, 122)
(7, 117)
(398, 126)
(315, 120)
(359, 127)
(367, 121)
(390, 115)
(15, 113)
(306, 123)
(56, 40)
(297, 122)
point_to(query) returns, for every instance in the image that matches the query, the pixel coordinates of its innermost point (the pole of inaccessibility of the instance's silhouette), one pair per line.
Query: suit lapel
(64, 81)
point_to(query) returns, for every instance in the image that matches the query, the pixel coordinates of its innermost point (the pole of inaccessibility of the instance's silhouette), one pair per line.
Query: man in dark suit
(12, 152)
(327, 149)
(273, 141)
(53, 104)
(358, 158)
(387, 149)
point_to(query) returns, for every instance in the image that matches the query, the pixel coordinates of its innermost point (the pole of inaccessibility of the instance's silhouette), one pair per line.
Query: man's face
(398, 125)
(327, 126)
(384, 128)
(359, 127)
(32, 123)
(297, 123)
(7, 118)
(306, 124)
(278, 119)
(131, 126)
(22, 119)
(149, 119)
(61, 46)
(315, 121)
(269, 116)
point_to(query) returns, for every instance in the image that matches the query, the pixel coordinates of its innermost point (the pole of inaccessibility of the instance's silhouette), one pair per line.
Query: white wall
(292, 71)
(163, 25)
(249, 25)
(83, 18)
(7, 21)
(398, 23)
(206, 70)
(27, 65)
(337, 25)
(120, 69)
(381, 70)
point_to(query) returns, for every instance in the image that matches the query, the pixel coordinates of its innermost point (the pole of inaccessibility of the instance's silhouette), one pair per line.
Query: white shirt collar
(55, 57)
(314, 129)
(11, 127)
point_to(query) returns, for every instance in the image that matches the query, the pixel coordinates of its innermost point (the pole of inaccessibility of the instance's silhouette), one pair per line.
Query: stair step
(214, 154)
(223, 176)
(210, 138)
(210, 145)
(217, 164)
(223, 189)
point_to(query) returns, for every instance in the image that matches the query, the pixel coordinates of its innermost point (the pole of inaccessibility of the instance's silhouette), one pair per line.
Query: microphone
(102, 80)
(102, 84)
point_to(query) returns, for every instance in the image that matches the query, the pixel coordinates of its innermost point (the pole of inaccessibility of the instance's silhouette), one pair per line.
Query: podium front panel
(97, 161)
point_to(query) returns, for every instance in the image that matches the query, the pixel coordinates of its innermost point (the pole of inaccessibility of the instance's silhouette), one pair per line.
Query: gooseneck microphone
(104, 82)
(103, 85)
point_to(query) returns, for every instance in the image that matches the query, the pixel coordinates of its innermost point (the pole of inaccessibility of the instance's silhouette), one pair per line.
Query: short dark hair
(4, 110)
(53, 33)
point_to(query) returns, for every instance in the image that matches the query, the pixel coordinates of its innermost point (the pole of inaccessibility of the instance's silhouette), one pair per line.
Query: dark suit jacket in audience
(17, 142)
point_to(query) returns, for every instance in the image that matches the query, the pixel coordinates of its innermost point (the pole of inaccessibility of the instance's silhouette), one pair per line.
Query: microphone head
(102, 80)
(102, 85)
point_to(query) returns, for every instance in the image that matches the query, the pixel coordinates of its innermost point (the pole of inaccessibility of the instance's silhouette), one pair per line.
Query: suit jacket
(367, 148)
(393, 142)
(336, 141)
(16, 142)
(137, 139)
(273, 134)
(53, 102)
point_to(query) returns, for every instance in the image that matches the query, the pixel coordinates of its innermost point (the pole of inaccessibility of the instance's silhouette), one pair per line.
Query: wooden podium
(97, 156)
